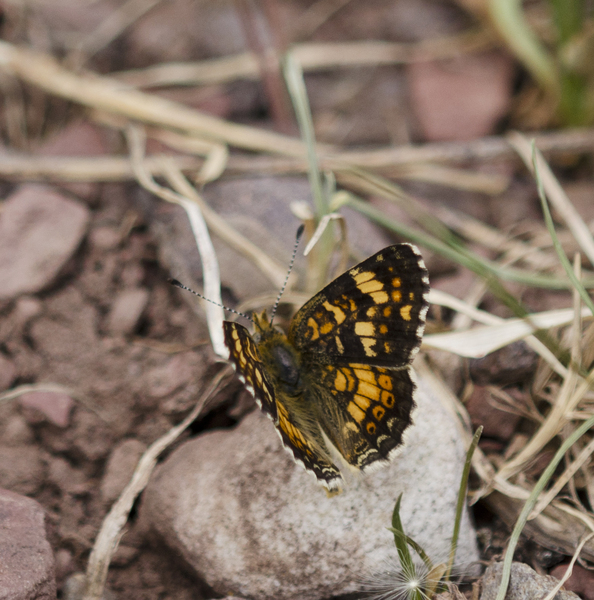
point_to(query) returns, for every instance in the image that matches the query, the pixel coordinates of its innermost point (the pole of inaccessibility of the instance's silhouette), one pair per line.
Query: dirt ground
(117, 356)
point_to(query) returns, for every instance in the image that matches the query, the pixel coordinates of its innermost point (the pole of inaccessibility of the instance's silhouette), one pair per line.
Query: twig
(111, 530)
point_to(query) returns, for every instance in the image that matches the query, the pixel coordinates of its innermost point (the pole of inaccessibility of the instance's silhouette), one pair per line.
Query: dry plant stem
(53, 388)
(562, 480)
(551, 595)
(268, 64)
(444, 341)
(111, 28)
(311, 56)
(102, 168)
(210, 265)
(106, 94)
(274, 270)
(113, 524)
(529, 504)
(556, 194)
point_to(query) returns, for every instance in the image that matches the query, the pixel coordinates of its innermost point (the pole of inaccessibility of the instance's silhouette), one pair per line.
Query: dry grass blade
(551, 595)
(113, 26)
(113, 524)
(562, 480)
(556, 194)
(478, 342)
(102, 93)
(210, 265)
(312, 57)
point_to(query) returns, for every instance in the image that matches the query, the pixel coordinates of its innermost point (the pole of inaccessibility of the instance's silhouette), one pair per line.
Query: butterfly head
(262, 323)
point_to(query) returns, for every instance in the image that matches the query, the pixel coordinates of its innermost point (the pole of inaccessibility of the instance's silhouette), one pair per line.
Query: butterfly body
(341, 376)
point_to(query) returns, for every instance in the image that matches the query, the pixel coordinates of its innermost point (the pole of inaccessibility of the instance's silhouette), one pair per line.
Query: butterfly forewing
(244, 355)
(374, 313)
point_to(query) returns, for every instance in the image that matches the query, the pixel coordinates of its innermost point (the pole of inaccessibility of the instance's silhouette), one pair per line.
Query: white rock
(253, 523)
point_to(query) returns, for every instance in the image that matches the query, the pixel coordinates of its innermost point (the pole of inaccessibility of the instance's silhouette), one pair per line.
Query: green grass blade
(531, 502)
(462, 500)
(577, 284)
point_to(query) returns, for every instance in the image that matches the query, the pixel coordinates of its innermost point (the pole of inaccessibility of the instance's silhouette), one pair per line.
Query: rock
(54, 406)
(514, 363)
(26, 558)
(524, 584)
(164, 380)
(126, 310)
(251, 522)
(581, 580)
(120, 467)
(8, 372)
(484, 410)
(462, 98)
(79, 138)
(39, 231)
(15, 431)
(21, 469)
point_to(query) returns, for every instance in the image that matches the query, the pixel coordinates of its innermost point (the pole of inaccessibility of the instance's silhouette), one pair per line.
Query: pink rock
(120, 468)
(460, 99)
(79, 138)
(40, 230)
(54, 406)
(26, 558)
(8, 372)
(165, 379)
(21, 470)
(126, 311)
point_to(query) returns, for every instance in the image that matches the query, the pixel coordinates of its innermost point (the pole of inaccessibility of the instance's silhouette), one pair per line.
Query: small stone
(54, 406)
(8, 372)
(17, 432)
(483, 410)
(126, 311)
(514, 363)
(40, 230)
(104, 238)
(524, 584)
(66, 478)
(581, 581)
(26, 558)
(120, 468)
(21, 469)
(165, 379)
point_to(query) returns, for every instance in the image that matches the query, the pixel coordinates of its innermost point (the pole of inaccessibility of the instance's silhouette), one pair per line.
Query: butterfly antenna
(180, 285)
(297, 239)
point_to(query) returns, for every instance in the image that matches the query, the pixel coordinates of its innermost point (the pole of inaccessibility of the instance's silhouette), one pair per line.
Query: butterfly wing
(356, 338)
(299, 434)
(244, 356)
(364, 410)
(372, 314)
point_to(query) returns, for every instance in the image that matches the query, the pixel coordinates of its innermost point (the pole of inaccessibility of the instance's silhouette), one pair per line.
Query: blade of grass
(508, 18)
(530, 503)
(320, 257)
(577, 284)
(554, 192)
(400, 539)
(483, 267)
(462, 500)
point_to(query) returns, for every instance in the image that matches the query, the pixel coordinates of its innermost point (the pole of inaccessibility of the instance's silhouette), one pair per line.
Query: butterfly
(341, 375)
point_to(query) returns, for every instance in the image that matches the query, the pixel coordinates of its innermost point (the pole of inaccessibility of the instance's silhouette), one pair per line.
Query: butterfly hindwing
(364, 410)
